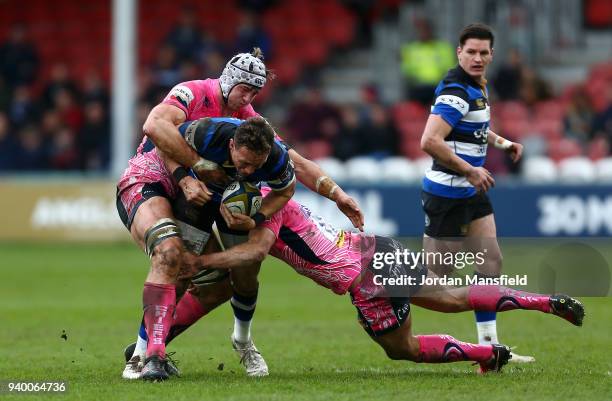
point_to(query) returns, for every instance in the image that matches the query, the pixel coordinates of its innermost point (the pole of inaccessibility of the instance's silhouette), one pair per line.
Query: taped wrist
(326, 187)
(502, 143)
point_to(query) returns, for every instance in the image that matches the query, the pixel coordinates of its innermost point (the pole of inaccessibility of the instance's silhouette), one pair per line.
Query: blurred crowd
(63, 123)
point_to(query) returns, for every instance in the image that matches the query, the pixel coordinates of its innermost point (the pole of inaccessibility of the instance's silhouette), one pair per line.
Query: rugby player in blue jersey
(459, 215)
(233, 149)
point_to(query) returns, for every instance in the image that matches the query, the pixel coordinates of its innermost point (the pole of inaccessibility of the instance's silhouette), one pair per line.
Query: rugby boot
(516, 358)
(171, 365)
(501, 356)
(154, 369)
(133, 363)
(568, 308)
(251, 358)
(128, 352)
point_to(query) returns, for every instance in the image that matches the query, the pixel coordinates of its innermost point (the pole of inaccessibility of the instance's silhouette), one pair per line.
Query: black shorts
(382, 308)
(130, 199)
(450, 217)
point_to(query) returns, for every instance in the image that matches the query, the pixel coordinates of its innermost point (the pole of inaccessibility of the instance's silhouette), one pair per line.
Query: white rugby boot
(251, 358)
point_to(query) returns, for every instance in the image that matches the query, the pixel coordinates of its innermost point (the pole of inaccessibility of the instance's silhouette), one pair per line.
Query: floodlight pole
(123, 115)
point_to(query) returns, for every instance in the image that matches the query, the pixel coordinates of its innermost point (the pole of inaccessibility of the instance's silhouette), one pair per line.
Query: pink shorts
(379, 315)
(145, 177)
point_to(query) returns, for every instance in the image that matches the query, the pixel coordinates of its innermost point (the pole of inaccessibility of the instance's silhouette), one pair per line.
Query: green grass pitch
(310, 338)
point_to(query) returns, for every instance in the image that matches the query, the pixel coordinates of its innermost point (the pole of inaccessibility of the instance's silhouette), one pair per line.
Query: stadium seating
(333, 167)
(603, 168)
(576, 170)
(539, 170)
(398, 170)
(363, 170)
(422, 164)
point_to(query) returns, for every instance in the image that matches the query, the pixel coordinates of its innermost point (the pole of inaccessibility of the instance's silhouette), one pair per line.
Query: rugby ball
(242, 197)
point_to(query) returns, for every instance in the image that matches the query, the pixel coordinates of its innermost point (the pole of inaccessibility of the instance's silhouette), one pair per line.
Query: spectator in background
(579, 118)
(370, 97)
(68, 108)
(63, 153)
(424, 62)
(602, 122)
(18, 59)
(185, 37)
(94, 138)
(50, 124)
(32, 150)
(382, 139)
(250, 34)
(189, 71)
(508, 80)
(60, 80)
(213, 63)
(350, 142)
(8, 144)
(166, 72)
(534, 88)
(94, 89)
(307, 116)
(5, 94)
(23, 108)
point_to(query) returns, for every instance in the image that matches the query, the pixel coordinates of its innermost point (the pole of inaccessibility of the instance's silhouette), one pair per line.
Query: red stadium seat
(515, 129)
(411, 148)
(317, 149)
(597, 91)
(287, 71)
(411, 129)
(598, 13)
(549, 128)
(409, 111)
(601, 71)
(551, 109)
(563, 148)
(313, 52)
(598, 149)
(512, 110)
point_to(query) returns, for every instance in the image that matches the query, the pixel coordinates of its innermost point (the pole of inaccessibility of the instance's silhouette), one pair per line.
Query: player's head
(251, 145)
(242, 78)
(475, 50)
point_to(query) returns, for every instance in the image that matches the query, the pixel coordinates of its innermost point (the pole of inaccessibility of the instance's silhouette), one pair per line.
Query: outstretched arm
(314, 178)
(250, 253)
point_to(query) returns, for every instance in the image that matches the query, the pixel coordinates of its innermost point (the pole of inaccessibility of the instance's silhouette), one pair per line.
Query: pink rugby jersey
(315, 249)
(198, 99)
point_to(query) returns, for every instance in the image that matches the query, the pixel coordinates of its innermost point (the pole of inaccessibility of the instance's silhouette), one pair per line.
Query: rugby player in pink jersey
(147, 186)
(346, 262)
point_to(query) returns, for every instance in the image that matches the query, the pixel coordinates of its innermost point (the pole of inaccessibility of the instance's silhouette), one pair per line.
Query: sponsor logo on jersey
(454, 101)
(182, 94)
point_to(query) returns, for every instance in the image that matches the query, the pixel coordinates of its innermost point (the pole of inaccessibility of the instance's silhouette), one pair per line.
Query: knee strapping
(160, 231)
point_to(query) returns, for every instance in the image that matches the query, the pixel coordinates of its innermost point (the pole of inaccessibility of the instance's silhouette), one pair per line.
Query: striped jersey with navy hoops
(210, 139)
(464, 105)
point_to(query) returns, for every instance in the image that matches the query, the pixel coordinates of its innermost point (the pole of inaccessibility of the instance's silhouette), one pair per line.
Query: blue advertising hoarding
(520, 210)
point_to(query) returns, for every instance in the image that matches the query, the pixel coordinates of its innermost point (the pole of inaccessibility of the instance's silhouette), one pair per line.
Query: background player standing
(457, 135)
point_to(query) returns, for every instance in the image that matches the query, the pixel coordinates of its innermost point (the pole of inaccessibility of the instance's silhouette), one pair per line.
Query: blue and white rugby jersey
(463, 104)
(210, 139)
